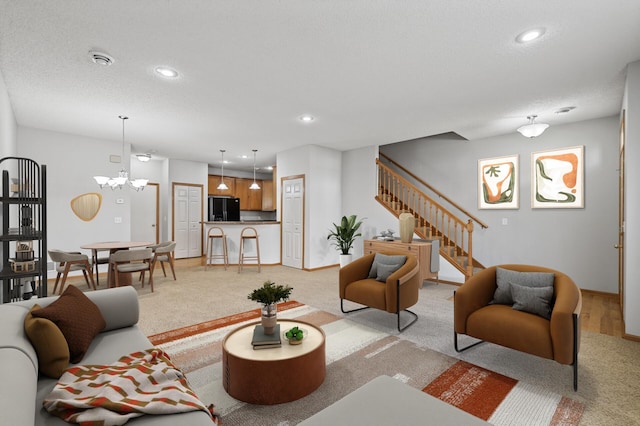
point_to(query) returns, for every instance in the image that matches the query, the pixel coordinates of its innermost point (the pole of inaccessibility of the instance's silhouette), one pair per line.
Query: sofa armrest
(354, 271)
(119, 306)
(568, 302)
(405, 280)
(474, 294)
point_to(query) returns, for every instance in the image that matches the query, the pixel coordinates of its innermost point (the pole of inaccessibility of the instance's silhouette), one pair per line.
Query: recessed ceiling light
(530, 35)
(167, 72)
(306, 118)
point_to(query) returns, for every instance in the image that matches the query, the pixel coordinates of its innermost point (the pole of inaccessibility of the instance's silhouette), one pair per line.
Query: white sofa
(23, 390)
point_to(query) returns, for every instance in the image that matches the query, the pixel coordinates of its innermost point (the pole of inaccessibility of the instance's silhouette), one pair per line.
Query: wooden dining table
(112, 247)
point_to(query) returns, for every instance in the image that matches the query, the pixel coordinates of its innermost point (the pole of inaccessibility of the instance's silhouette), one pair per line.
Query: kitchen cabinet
(268, 196)
(250, 199)
(24, 229)
(214, 181)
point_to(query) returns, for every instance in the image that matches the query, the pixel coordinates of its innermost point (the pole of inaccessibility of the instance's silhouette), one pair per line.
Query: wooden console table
(420, 249)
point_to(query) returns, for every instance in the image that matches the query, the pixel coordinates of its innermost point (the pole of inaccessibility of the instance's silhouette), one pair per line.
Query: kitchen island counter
(268, 234)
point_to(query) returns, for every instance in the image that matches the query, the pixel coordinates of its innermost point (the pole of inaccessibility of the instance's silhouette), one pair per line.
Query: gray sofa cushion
(504, 278)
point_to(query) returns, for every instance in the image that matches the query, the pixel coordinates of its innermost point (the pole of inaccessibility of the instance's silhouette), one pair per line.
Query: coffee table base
(269, 382)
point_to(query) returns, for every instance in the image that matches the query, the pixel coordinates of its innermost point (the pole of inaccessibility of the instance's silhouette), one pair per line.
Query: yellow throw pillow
(49, 343)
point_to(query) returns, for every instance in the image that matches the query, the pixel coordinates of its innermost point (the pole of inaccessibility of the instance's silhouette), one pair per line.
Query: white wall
(632, 201)
(71, 162)
(8, 124)
(578, 242)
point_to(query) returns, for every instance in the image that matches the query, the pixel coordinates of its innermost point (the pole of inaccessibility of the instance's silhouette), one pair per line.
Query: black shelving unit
(24, 225)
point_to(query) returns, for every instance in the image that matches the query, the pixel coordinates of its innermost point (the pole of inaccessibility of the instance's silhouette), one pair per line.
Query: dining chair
(130, 261)
(70, 261)
(97, 260)
(162, 254)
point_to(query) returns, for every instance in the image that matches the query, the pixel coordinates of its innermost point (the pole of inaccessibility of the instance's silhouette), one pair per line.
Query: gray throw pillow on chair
(535, 300)
(506, 277)
(393, 261)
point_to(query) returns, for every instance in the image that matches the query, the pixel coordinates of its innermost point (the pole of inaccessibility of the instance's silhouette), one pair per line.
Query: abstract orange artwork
(498, 183)
(557, 179)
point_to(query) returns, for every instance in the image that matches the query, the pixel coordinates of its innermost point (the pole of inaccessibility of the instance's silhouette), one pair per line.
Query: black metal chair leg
(575, 352)
(455, 343)
(351, 310)
(415, 318)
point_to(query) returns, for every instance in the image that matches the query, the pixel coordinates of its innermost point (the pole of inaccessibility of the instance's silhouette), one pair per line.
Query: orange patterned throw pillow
(49, 343)
(79, 319)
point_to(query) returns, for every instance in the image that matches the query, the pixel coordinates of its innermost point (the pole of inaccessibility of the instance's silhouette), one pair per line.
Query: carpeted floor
(355, 354)
(609, 371)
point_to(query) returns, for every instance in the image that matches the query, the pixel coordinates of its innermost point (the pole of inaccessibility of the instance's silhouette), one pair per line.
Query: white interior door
(292, 222)
(181, 220)
(144, 214)
(187, 218)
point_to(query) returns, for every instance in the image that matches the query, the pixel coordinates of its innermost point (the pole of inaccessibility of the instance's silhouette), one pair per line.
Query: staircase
(433, 221)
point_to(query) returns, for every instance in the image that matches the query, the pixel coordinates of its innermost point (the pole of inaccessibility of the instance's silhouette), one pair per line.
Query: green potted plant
(294, 335)
(269, 295)
(344, 235)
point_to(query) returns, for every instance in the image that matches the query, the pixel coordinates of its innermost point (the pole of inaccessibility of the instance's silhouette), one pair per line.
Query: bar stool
(214, 234)
(248, 233)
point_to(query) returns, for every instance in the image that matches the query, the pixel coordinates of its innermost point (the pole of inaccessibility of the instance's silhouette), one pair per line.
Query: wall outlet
(120, 201)
(118, 219)
(505, 221)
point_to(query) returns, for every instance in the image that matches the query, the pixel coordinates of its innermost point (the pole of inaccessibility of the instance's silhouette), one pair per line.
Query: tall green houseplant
(345, 234)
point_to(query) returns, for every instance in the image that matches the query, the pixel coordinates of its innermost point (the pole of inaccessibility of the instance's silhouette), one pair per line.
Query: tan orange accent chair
(557, 338)
(396, 294)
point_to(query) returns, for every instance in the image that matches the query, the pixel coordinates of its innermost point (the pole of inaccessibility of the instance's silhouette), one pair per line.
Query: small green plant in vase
(294, 335)
(269, 295)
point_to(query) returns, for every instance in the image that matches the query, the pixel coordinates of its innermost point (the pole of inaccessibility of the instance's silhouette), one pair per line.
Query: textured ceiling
(369, 71)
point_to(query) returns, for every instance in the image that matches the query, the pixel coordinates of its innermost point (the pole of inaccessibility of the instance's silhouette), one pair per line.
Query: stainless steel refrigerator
(225, 209)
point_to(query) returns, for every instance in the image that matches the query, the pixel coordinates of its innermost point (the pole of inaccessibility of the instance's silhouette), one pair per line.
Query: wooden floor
(601, 313)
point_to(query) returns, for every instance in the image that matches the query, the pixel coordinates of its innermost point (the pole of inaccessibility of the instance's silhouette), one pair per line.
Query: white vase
(269, 318)
(345, 259)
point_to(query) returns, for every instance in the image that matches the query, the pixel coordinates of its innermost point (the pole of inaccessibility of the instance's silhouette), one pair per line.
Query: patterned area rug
(355, 354)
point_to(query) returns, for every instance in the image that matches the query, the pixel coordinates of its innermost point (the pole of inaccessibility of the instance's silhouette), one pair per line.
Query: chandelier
(254, 185)
(123, 177)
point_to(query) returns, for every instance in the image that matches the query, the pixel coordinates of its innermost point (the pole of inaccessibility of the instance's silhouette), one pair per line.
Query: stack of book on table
(266, 341)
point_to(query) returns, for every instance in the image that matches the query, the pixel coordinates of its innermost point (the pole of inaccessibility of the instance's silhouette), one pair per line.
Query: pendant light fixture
(254, 185)
(222, 185)
(123, 176)
(532, 129)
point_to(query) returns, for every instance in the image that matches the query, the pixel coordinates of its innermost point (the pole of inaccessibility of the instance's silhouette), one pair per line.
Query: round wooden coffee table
(274, 375)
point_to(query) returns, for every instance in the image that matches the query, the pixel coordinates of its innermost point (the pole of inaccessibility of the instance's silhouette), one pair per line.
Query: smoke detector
(100, 58)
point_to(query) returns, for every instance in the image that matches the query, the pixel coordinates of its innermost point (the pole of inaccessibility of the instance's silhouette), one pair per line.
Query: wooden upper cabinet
(268, 196)
(250, 199)
(214, 181)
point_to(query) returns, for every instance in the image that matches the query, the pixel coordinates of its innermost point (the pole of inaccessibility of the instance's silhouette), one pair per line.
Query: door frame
(173, 213)
(621, 213)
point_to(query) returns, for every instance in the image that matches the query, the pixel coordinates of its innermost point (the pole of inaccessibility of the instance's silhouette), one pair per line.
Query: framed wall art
(498, 183)
(557, 178)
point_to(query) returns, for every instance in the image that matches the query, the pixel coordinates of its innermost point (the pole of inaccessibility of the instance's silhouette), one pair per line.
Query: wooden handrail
(433, 220)
(435, 191)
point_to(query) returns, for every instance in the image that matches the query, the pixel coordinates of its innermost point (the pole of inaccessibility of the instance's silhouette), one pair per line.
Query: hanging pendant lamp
(254, 185)
(123, 175)
(223, 186)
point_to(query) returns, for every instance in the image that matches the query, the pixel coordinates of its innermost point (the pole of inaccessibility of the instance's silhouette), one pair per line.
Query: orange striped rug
(494, 397)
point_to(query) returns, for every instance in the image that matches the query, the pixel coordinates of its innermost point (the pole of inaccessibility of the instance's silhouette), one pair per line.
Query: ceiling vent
(100, 58)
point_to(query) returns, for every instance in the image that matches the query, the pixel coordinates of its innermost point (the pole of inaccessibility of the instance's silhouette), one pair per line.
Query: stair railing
(433, 220)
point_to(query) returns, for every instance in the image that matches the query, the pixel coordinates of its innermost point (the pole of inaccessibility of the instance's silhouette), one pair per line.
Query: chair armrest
(568, 302)
(474, 294)
(75, 257)
(354, 271)
(404, 284)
